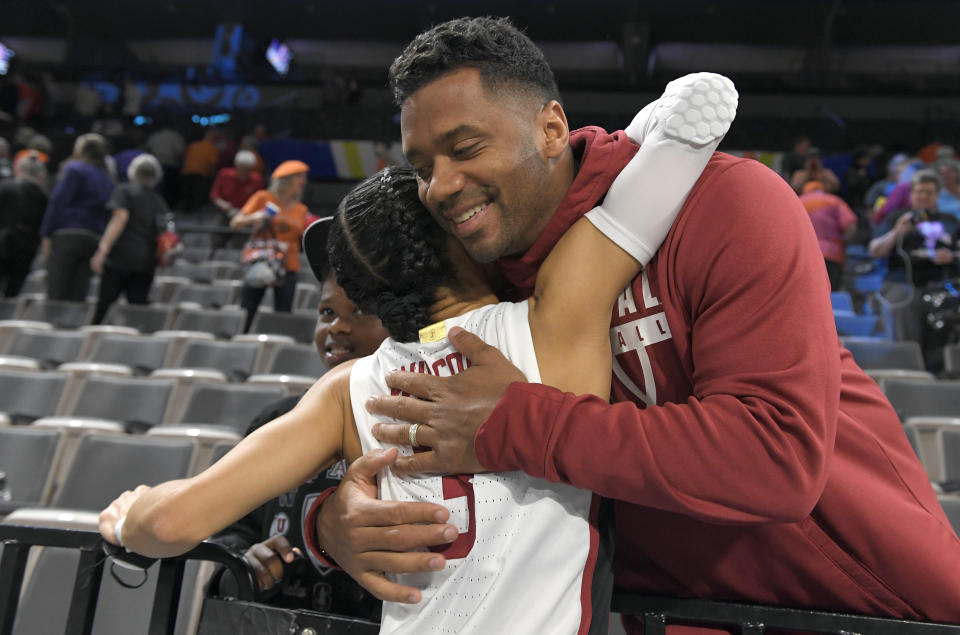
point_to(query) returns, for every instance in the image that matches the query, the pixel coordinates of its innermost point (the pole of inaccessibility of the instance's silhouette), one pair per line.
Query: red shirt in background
(234, 191)
(831, 217)
(749, 457)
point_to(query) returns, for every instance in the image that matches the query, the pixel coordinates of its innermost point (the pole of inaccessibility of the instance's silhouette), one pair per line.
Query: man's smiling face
(480, 162)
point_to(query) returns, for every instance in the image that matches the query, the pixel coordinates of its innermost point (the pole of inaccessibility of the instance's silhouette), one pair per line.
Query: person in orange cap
(276, 212)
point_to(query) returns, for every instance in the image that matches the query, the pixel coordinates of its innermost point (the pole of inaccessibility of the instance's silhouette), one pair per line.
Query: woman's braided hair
(388, 254)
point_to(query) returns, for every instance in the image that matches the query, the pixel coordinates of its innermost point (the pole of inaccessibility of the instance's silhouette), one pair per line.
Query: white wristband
(118, 531)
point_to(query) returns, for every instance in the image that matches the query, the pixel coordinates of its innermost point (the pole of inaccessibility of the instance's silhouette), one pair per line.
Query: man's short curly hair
(503, 55)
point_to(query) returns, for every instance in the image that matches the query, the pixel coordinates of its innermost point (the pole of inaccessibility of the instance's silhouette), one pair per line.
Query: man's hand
(904, 224)
(454, 409)
(117, 510)
(368, 537)
(942, 256)
(267, 560)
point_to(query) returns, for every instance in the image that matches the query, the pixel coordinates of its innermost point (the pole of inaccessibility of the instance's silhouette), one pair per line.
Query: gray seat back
(141, 402)
(870, 353)
(299, 326)
(223, 323)
(207, 295)
(60, 313)
(235, 359)
(50, 348)
(146, 318)
(229, 405)
(918, 398)
(298, 359)
(107, 465)
(26, 457)
(26, 396)
(143, 354)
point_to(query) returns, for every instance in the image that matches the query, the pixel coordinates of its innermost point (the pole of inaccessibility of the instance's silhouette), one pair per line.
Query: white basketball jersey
(523, 561)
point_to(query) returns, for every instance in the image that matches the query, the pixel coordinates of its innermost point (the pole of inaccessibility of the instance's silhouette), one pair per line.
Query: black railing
(17, 541)
(234, 617)
(657, 612)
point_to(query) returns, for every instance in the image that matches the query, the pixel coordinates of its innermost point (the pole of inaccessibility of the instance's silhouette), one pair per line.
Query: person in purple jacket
(76, 217)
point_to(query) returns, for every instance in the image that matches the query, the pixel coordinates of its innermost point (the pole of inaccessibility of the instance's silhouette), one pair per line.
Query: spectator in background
(813, 170)
(168, 145)
(23, 200)
(834, 222)
(277, 210)
(39, 145)
(75, 218)
(949, 200)
(796, 158)
(200, 162)
(6, 165)
(270, 535)
(877, 195)
(252, 144)
(858, 179)
(126, 255)
(234, 186)
(921, 239)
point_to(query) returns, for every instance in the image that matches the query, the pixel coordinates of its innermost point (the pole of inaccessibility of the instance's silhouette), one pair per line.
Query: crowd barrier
(243, 615)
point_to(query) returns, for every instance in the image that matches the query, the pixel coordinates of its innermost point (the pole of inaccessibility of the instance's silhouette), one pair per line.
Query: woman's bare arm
(171, 518)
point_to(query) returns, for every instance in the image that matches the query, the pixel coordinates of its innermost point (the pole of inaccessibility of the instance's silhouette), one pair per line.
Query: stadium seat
(233, 406)
(236, 360)
(11, 362)
(223, 323)
(72, 430)
(204, 295)
(924, 398)
(36, 282)
(876, 353)
(291, 384)
(205, 438)
(194, 254)
(50, 348)
(165, 286)
(27, 457)
(225, 254)
(146, 318)
(951, 506)
(841, 301)
(299, 326)
(8, 328)
(267, 343)
(59, 313)
(296, 359)
(883, 375)
(106, 465)
(93, 332)
(138, 402)
(950, 455)
(50, 571)
(849, 323)
(951, 358)
(307, 296)
(143, 354)
(30, 395)
(928, 435)
(9, 308)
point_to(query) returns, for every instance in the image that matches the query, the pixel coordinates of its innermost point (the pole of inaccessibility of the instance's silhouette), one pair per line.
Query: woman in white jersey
(522, 561)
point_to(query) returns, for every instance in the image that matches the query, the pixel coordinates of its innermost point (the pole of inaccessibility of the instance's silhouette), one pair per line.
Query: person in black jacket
(126, 256)
(23, 201)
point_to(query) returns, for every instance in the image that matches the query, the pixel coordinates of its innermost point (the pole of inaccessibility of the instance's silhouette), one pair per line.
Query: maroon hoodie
(750, 457)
